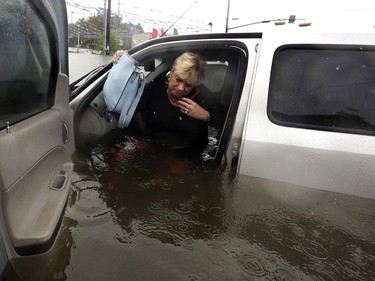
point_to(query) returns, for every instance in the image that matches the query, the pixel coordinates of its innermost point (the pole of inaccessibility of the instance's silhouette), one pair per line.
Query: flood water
(83, 61)
(137, 212)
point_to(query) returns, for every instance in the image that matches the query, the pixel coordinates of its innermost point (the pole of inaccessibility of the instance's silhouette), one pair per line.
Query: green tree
(91, 33)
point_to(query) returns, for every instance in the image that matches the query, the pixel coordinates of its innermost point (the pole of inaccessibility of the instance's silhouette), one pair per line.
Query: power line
(147, 17)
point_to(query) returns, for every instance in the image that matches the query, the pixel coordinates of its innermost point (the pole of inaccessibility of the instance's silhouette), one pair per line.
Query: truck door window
(325, 88)
(25, 57)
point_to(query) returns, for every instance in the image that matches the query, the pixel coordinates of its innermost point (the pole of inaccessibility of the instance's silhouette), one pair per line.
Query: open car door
(36, 124)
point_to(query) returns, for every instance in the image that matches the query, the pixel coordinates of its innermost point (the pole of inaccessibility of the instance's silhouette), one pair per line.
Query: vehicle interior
(223, 79)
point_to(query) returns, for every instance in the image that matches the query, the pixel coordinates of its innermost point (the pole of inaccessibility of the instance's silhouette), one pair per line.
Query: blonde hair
(190, 66)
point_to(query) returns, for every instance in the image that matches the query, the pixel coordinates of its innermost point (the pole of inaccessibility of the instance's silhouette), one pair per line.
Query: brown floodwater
(137, 212)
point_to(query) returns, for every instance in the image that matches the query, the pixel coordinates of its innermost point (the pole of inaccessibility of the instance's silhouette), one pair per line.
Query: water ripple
(187, 244)
(173, 217)
(184, 207)
(221, 239)
(218, 211)
(190, 218)
(253, 265)
(286, 273)
(314, 250)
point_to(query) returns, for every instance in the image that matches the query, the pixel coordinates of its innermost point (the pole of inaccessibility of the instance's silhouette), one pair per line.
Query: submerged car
(298, 108)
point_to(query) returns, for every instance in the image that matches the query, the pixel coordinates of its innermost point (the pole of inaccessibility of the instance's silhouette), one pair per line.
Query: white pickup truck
(298, 108)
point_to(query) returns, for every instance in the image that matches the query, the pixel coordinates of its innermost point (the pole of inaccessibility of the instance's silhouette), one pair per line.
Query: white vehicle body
(341, 162)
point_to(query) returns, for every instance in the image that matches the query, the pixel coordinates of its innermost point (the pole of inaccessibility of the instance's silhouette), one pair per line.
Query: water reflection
(301, 231)
(154, 193)
(49, 266)
(140, 213)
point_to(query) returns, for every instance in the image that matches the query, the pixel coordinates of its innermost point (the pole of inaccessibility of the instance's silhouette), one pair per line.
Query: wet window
(325, 88)
(25, 57)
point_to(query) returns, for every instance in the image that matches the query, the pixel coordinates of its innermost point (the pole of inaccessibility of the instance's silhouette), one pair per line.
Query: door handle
(64, 132)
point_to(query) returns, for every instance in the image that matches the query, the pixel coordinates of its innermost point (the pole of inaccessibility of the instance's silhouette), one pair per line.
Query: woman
(177, 110)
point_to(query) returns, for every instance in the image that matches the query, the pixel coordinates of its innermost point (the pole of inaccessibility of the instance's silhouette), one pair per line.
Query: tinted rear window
(325, 88)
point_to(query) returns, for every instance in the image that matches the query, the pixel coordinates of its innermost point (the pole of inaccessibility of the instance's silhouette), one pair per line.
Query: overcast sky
(197, 14)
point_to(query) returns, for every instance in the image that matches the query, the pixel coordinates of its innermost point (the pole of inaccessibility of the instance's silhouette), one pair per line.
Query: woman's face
(179, 87)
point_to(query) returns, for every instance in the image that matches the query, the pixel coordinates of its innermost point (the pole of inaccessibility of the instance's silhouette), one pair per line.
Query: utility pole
(105, 28)
(71, 17)
(108, 31)
(78, 42)
(226, 25)
(118, 16)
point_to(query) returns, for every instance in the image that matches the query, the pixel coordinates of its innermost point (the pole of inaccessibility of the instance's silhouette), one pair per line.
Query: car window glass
(155, 62)
(25, 62)
(324, 88)
(215, 75)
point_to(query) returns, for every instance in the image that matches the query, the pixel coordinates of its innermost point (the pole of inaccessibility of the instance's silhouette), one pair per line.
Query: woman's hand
(194, 110)
(117, 56)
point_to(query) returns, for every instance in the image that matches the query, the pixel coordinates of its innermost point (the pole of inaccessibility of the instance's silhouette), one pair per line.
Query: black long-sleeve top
(168, 126)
